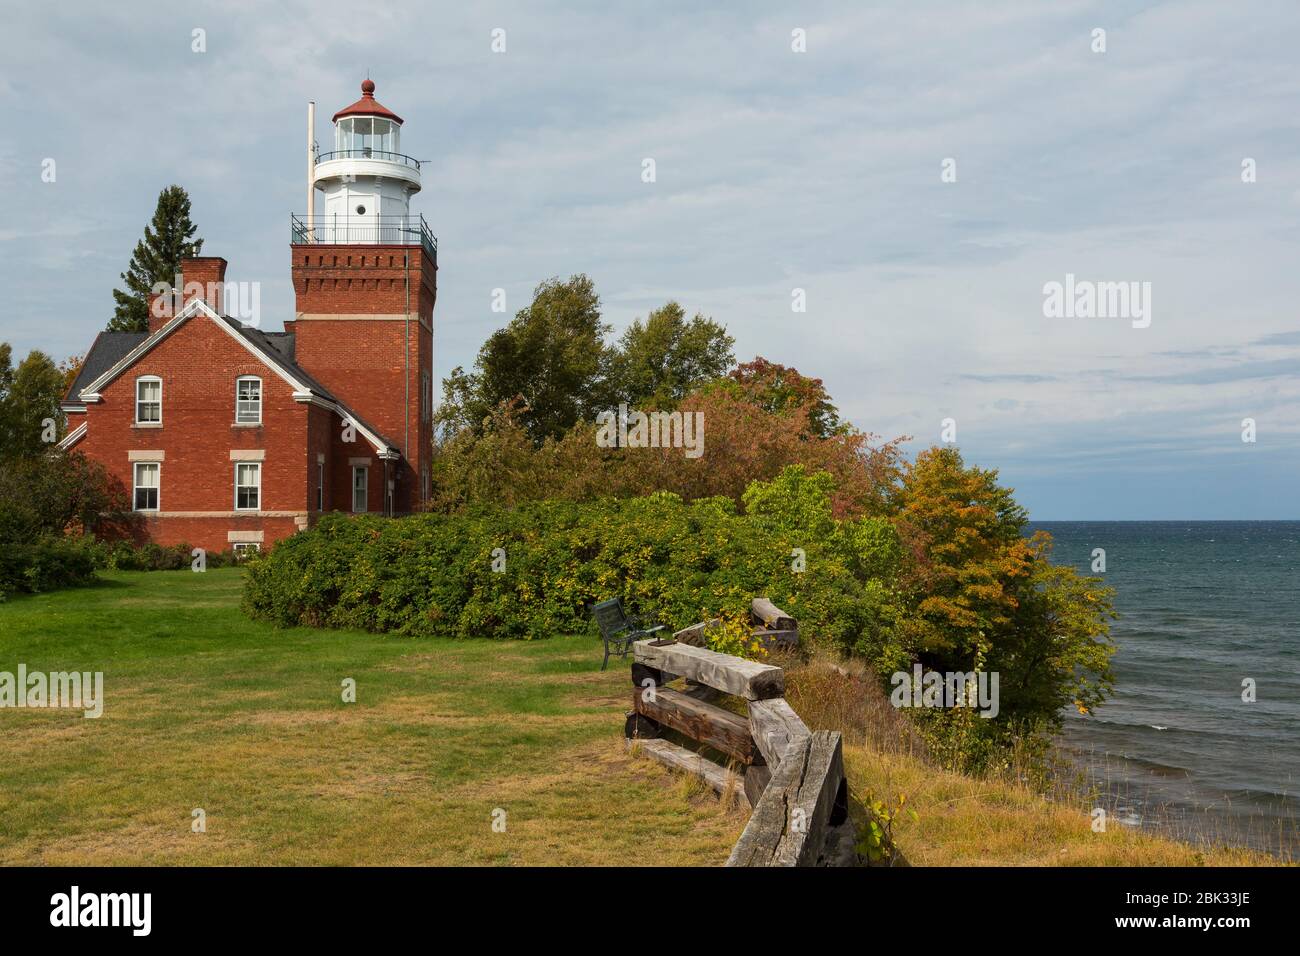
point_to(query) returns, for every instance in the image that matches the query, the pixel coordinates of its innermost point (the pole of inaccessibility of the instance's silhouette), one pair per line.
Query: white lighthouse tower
(366, 179)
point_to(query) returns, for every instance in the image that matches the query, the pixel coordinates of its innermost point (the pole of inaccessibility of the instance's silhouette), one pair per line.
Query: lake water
(1203, 605)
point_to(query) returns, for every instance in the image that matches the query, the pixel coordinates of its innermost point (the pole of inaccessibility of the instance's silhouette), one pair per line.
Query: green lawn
(207, 709)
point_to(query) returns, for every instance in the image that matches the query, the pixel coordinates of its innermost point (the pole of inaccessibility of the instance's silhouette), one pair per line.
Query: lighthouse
(365, 281)
(366, 180)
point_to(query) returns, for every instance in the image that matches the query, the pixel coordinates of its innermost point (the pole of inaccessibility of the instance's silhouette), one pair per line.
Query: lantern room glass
(367, 134)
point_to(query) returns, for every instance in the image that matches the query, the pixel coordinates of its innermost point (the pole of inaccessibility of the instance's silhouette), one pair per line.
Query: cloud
(776, 170)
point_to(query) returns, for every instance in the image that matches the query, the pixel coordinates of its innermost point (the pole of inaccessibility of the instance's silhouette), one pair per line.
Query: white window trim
(135, 484)
(366, 500)
(247, 464)
(249, 378)
(320, 486)
(138, 381)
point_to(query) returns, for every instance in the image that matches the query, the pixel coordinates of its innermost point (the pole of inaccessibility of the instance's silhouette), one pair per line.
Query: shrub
(47, 563)
(57, 492)
(124, 556)
(672, 561)
(947, 581)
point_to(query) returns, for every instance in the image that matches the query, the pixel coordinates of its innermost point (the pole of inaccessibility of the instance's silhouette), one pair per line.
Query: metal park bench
(618, 629)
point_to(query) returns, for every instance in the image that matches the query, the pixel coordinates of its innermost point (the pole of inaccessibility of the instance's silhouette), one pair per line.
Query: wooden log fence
(771, 626)
(791, 777)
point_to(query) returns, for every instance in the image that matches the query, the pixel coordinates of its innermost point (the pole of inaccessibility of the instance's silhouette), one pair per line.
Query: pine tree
(168, 239)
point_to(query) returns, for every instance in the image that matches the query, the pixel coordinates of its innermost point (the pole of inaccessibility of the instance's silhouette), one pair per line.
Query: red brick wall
(364, 362)
(325, 437)
(198, 365)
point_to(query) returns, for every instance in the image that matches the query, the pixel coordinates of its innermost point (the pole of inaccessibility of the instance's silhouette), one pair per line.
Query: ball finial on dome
(368, 87)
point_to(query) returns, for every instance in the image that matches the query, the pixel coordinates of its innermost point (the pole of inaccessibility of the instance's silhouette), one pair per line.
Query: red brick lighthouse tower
(365, 274)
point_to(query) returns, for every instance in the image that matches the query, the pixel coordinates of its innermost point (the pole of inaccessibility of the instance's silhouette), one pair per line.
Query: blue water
(1203, 605)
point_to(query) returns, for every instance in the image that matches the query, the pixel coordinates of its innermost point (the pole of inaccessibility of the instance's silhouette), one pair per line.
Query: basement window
(148, 400)
(248, 400)
(243, 549)
(248, 485)
(145, 494)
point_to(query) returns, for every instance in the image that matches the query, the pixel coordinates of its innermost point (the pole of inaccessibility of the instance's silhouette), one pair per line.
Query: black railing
(368, 153)
(372, 230)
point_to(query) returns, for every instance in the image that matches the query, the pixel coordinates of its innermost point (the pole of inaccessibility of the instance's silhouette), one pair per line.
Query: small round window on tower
(361, 210)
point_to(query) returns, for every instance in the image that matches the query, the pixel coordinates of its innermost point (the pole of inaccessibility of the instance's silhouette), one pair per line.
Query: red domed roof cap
(368, 106)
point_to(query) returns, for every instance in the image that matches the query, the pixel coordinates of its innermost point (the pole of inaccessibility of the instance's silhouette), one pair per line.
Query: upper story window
(148, 400)
(248, 400)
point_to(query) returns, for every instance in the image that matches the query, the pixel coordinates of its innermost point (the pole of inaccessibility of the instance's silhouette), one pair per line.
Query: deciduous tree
(30, 396)
(658, 362)
(552, 357)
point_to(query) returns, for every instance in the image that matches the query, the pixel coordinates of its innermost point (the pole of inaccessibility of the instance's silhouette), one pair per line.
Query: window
(360, 483)
(248, 485)
(425, 396)
(362, 134)
(243, 549)
(248, 400)
(148, 400)
(146, 486)
(320, 486)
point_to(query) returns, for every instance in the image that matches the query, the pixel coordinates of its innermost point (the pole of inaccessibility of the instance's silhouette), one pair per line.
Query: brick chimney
(202, 277)
(209, 272)
(160, 311)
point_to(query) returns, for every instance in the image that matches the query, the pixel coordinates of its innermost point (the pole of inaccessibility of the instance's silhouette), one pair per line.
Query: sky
(921, 171)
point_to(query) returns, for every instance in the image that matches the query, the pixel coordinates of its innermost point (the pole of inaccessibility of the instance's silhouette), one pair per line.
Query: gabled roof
(115, 352)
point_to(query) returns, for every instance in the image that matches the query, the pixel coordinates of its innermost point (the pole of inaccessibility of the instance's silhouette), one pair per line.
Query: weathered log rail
(791, 777)
(771, 627)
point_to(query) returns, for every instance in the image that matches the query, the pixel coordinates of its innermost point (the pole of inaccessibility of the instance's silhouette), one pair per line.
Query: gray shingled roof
(107, 350)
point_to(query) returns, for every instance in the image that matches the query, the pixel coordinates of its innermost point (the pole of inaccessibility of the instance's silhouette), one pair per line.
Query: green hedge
(46, 564)
(50, 562)
(674, 563)
(124, 556)
(865, 588)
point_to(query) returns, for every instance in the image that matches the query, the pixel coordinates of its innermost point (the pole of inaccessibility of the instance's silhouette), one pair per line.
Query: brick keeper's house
(228, 436)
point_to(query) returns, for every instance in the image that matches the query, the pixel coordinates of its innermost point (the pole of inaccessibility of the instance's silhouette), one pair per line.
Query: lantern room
(366, 180)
